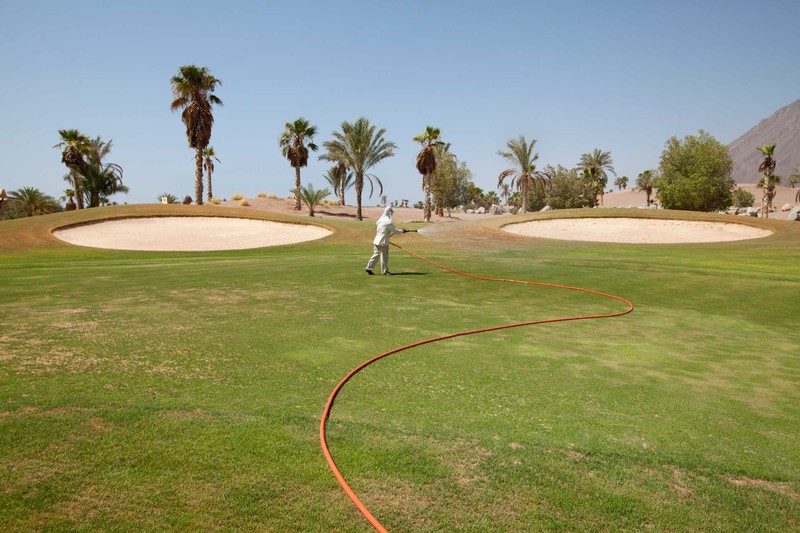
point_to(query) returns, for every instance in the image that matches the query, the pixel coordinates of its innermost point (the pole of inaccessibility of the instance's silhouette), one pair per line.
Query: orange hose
(326, 413)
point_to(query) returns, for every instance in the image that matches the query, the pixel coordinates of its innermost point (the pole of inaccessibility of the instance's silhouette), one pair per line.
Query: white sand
(635, 230)
(188, 234)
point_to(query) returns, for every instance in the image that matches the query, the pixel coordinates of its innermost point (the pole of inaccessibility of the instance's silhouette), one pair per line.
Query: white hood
(386, 217)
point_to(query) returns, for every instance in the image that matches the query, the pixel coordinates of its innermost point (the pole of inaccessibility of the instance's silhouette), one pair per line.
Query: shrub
(696, 174)
(244, 203)
(567, 190)
(743, 198)
(262, 195)
(237, 196)
(215, 201)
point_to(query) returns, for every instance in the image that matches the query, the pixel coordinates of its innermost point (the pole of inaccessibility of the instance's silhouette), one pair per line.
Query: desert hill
(781, 128)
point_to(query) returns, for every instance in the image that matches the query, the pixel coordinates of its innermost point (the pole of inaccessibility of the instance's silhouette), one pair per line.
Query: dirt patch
(781, 487)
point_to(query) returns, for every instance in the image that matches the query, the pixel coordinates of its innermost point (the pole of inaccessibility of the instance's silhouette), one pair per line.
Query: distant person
(381, 242)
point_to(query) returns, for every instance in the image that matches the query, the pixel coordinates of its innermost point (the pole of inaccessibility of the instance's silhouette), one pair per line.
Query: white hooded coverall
(381, 241)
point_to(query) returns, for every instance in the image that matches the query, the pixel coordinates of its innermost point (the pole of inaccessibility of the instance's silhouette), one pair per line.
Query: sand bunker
(188, 234)
(635, 230)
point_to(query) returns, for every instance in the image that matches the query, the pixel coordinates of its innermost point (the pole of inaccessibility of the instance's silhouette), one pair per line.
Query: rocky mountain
(783, 129)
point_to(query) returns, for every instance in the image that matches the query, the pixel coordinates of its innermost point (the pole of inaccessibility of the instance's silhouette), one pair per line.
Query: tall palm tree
(360, 147)
(208, 163)
(75, 145)
(426, 163)
(340, 179)
(193, 89)
(767, 167)
(294, 148)
(621, 183)
(523, 173)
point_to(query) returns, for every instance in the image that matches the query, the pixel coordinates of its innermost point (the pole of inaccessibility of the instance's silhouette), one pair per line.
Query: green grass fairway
(155, 391)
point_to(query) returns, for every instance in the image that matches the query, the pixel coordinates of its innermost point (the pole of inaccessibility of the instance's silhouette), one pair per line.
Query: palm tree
(598, 159)
(75, 145)
(294, 148)
(359, 147)
(171, 198)
(767, 167)
(769, 189)
(621, 183)
(523, 173)
(30, 201)
(597, 180)
(340, 179)
(99, 182)
(69, 196)
(505, 192)
(97, 150)
(208, 163)
(646, 181)
(426, 163)
(794, 179)
(193, 89)
(311, 197)
(602, 162)
(443, 180)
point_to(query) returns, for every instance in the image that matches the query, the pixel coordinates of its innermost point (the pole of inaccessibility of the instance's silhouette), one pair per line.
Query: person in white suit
(381, 242)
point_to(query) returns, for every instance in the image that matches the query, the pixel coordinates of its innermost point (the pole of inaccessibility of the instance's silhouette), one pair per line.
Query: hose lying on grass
(326, 413)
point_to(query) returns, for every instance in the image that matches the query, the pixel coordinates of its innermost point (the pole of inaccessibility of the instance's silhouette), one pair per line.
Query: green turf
(151, 391)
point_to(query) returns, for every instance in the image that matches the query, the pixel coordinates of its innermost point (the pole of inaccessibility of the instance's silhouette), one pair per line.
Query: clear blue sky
(576, 75)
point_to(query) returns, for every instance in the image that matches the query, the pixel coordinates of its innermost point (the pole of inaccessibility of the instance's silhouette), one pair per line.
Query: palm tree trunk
(297, 206)
(524, 190)
(426, 185)
(341, 193)
(359, 187)
(76, 186)
(209, 195)
(198, 176)
(764, 200)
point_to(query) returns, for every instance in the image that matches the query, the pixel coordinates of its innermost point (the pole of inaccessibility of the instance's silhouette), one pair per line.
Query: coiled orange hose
(326, 413)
